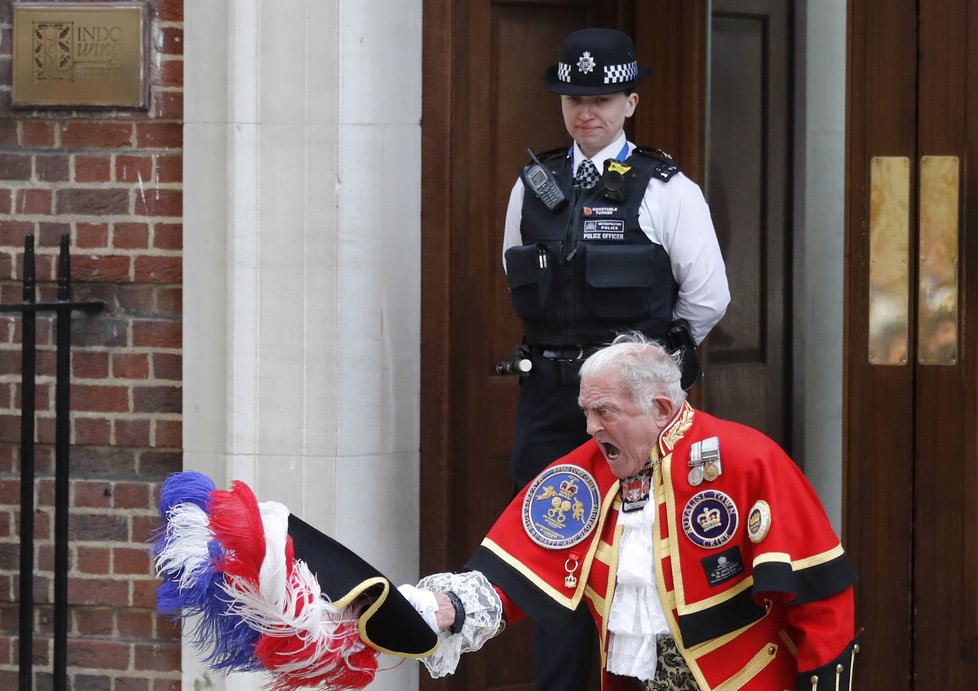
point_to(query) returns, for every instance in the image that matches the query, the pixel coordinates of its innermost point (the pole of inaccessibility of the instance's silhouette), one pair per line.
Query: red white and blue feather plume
(229, 564)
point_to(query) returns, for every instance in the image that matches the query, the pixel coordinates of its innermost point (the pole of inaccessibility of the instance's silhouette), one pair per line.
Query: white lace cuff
(483, 618)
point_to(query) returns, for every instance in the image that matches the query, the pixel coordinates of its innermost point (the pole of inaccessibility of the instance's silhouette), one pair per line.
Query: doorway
(483, 104)
(749, 187)
(910, 443)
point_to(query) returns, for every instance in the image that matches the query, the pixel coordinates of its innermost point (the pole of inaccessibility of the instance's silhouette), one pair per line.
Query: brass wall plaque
(937, 297)
(889, 252)
(86, 54)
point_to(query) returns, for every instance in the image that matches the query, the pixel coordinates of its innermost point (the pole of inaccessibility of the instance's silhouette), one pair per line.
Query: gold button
(771, 650)
(814, 679)
(839, 669)
(855, 648)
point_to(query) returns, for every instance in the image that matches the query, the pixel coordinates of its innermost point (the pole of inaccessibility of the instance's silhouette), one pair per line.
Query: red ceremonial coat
(754, 582)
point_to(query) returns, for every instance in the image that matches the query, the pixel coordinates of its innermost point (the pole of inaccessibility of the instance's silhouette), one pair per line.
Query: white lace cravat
(636, 617)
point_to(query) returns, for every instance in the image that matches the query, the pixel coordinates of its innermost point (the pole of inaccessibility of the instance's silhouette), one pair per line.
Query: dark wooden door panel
(748, 187)
(483, 104)
(878, 399)
(523, 41)
(944, 475)
(910, 441)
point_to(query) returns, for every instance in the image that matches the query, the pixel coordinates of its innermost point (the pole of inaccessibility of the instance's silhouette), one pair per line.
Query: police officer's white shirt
(674, 215)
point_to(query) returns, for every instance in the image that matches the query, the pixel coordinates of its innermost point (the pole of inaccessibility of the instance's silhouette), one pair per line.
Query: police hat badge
(595, 61)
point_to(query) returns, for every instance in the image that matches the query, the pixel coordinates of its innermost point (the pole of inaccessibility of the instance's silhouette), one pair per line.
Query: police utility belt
(560, 365)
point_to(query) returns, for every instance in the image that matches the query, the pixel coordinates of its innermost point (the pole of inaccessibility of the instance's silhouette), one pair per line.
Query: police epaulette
(553, 153)
(666, 168)
(653, 152)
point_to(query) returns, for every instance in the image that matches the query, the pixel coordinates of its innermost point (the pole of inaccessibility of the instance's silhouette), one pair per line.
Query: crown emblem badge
(710, 519)
(568, 488)
(560, 507)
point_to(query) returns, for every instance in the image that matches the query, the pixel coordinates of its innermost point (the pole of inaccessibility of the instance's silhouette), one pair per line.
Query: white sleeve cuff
(483, 618)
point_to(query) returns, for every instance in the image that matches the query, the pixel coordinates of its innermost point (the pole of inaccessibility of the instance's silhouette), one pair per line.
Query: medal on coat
(704, 461)
(695, 464)
(561, 507)
(710, 451)
(570, 566)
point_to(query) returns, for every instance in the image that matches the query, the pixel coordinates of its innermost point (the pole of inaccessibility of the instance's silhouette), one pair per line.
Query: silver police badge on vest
(710, 519)
(560, 508)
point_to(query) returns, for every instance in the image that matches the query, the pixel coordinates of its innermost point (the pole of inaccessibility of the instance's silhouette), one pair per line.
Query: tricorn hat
(269, 592)
(594, 62)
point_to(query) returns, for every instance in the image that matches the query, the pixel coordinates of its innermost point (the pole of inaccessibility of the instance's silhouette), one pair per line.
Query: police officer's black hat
(595, 61)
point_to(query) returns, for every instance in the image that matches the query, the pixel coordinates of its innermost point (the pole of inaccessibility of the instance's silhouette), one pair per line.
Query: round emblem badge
(710, 519)
(758, 521)
(560, 508)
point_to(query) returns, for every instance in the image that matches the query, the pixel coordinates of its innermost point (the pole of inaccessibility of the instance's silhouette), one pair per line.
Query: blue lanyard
(622, 155)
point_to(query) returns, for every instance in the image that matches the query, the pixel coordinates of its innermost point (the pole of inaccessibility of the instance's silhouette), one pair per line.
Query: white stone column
(302, 269)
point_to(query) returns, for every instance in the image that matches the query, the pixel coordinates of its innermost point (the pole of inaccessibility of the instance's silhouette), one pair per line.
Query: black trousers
(550, 424)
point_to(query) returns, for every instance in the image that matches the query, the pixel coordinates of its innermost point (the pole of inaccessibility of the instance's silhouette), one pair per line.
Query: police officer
(601, 237)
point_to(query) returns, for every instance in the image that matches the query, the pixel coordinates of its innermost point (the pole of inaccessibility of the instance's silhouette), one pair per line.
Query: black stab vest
(587, 271)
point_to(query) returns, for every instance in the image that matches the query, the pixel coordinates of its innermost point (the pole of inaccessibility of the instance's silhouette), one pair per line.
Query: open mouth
(611, 451)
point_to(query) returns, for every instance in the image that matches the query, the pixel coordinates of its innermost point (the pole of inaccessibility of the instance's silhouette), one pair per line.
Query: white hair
(647, 370)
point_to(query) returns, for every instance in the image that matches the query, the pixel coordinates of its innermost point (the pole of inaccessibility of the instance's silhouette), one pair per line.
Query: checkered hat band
(614, 74)
(563, 72)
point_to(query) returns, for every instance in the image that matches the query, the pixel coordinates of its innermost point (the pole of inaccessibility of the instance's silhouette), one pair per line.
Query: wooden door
(742, 85)
(911, 383)
(748, 185)
(484, 104)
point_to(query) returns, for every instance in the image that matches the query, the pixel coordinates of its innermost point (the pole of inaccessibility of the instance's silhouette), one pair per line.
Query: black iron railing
(62, 308)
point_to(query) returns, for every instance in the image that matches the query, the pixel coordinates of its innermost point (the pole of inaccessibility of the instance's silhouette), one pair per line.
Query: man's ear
(663, 410)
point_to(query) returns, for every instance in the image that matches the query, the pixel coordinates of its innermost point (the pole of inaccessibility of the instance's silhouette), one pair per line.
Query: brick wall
(111, 180)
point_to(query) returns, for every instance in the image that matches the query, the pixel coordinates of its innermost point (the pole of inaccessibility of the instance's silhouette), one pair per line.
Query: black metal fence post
(28, 362)
(62, 436)
(62, 307)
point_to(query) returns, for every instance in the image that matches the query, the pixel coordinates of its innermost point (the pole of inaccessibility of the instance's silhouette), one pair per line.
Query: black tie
(587, 175)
